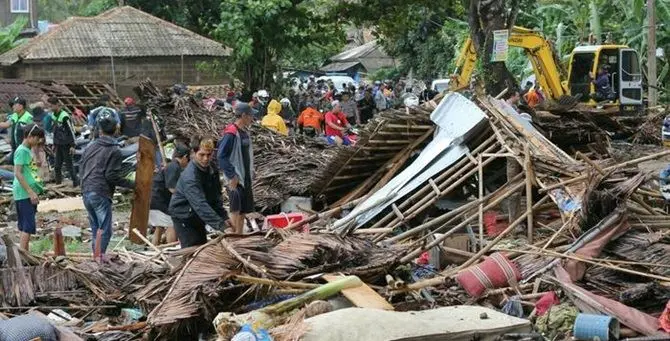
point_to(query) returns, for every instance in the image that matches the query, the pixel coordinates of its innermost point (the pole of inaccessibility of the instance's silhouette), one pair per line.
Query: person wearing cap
(310, 121)
(17, 121)
(131, 119)
(272, 120)
(63, 139)
(336, 125)
(164, 185)
(236, 159)
(101, 106)
(101, 172)
(198, 198)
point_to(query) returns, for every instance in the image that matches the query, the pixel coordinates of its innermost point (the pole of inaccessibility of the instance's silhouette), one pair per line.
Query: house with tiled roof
(121, 47)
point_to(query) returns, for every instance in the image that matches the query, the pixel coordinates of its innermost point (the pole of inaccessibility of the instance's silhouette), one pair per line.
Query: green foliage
(9, 35)
(96, 7)
(263, 34)
(422, 34)
(386, 73)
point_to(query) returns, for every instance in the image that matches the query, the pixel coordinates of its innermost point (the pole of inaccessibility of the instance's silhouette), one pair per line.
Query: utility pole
(651, 53)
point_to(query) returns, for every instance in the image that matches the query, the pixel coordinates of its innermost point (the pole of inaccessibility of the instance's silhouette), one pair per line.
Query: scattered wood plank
(362, 296)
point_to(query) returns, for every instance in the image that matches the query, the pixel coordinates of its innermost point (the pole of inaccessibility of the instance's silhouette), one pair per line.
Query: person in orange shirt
(310, 121)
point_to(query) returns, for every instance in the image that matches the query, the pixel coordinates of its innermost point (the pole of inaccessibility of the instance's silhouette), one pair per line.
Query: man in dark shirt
(198, 198)
(101, 173)
(165, 183)
(366, 106)
(63, 141)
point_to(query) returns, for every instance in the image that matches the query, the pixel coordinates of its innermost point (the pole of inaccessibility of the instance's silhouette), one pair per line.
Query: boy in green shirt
(27, 184)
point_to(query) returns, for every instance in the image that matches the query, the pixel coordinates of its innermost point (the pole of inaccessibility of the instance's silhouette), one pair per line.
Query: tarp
(456, 118)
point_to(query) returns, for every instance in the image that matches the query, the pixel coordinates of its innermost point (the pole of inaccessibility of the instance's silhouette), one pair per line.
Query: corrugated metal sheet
(356, 52)
(456, 118)
(334, 67)
(120, 32)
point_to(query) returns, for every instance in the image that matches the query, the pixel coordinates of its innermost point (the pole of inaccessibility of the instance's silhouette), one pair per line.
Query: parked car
(339, 80)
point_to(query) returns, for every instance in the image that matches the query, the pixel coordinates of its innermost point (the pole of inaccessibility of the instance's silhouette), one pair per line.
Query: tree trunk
(485, 17)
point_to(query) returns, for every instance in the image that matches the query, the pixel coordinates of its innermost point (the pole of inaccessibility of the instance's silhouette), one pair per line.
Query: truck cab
(624, 71)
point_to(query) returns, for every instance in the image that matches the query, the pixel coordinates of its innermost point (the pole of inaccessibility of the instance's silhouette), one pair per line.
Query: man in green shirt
(27, 183)
(17, 122)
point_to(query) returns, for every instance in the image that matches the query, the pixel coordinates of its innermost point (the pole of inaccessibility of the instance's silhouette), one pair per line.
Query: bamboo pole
(480, 175)
(151, 245)
(326, 214)
(529, 193)
(448, 217)
(607, 169)
(502, 235)
(487, 145)
(440, 239)
(269, 282)
(429, 200)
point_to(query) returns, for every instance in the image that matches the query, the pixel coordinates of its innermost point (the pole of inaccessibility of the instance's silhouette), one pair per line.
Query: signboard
(500, 45)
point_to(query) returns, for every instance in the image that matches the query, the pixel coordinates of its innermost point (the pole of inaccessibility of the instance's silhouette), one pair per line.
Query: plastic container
(589, 327)
(282, 220)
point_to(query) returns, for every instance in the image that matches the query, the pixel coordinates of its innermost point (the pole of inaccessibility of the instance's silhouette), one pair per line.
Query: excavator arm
(539, 52)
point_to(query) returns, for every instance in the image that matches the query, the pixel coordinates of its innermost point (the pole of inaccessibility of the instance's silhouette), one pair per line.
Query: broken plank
(139, 217)
(61, 205)
(362, 296)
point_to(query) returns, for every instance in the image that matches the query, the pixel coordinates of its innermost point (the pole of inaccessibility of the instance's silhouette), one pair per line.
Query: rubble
(418, 212)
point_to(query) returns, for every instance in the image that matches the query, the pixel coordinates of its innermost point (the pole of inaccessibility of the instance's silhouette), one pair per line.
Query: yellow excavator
(622, 61)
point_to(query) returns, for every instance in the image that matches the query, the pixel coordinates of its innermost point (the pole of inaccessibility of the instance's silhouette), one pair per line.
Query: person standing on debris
(198, 199)
(101, 172)
(17, 122)
(350, 108)
(236, 159)
(287, 112)
(164, 185)
(101, 106)
(273, 121)
(336, 125)
(63, 139)
(380, 100)
(27, 184)
(310, 121)
(131, 119)
(263, 102)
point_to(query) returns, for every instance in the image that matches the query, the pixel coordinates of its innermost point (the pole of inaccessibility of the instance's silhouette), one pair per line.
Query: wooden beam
(139, 217)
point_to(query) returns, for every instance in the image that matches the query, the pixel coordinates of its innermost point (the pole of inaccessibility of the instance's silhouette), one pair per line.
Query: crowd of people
(187, 192)
(319, 108)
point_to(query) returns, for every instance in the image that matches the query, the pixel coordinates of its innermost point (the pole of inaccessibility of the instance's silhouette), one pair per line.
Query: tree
(422, 34)
(9, 34)
(486, 16)
(263, 34)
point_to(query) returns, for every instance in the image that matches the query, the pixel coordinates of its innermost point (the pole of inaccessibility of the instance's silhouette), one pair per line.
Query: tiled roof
(119, 32)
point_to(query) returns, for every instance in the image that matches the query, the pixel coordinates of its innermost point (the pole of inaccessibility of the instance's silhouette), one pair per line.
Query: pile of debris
(297, 165)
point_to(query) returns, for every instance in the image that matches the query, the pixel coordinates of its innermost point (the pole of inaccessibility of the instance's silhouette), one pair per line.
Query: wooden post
(158, 138)
(139, 217)
(529, 192)
(651, 53)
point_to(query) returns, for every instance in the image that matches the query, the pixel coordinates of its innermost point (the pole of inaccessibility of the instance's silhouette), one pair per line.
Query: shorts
(345, 140)
(159, 219)
(26, 211)
(241, 200)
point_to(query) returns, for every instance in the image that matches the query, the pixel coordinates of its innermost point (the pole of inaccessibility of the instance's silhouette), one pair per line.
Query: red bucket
(495, 272)
(283, 220)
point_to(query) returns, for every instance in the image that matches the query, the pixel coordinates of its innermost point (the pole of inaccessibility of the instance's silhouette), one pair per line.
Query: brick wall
(128, 71)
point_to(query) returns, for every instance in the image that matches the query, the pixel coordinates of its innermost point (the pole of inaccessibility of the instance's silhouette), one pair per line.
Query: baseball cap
(242, 109)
